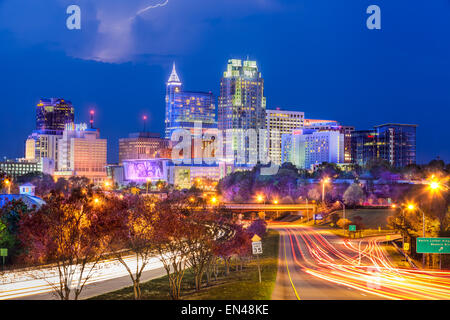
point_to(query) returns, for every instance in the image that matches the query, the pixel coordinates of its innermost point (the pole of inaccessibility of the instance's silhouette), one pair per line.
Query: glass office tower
(242, 106)
(53, 114)
(185, 108)
(397, 143)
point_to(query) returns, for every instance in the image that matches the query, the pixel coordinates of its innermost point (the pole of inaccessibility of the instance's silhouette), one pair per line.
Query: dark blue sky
(316, 56)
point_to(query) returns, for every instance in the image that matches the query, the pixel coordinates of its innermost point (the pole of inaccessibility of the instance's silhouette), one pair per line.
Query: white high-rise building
(81, 152)
(281, 122)
(306, 148)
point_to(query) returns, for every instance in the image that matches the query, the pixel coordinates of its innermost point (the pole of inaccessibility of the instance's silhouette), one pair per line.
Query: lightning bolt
(152, 7)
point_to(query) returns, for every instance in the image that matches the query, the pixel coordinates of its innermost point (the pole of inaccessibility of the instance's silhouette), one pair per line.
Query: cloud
(121, 31)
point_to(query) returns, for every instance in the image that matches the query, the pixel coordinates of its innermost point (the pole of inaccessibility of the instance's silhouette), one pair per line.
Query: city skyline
(352, 75)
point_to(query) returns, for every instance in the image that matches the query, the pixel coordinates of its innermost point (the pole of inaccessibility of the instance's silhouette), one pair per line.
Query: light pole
(148, 180)
(412, 207)
(275, 202)
(307, 210)
(8, 184)
(434, 187)
(324, 182)
(343, 214)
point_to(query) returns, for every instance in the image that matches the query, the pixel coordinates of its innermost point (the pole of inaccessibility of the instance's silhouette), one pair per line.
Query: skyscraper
(242, 106)
(332, 125)
(364, 146)
(53, 114)
(81, 152)
(306, 148)
(281, 122)
(185, 108)
(397, 143)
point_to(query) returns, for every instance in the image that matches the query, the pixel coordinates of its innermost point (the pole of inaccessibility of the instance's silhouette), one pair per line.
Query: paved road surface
(317, 265)
(108, 276)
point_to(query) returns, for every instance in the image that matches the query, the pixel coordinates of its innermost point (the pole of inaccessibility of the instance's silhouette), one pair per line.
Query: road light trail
(18, 284)
(339, 262)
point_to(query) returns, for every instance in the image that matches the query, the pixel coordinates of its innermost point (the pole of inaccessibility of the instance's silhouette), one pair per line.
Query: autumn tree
(169, 239)
(134, 237)
(203, 228)
(10, 216)
(72, 233)
(353, 195)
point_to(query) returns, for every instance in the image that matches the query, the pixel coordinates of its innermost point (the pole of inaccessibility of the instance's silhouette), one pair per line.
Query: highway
(317, 265)
(108, 275)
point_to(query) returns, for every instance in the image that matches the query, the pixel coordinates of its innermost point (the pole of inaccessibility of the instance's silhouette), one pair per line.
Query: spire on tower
(92, 119)
(174, 79)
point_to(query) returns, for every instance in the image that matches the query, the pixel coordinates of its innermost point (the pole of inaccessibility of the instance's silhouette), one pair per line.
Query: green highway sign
(3, 252)
(433, 245)
(352, 227)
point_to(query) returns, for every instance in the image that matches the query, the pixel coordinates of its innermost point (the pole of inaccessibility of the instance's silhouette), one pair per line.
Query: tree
(353, 195)
(258, 227)
(169, 239)
(334, 218)
(73, 233)
(134, 235)
(10, 215)
(202, 229)
(44, 183)
(343, 223)
(314, 194)
(238, 244)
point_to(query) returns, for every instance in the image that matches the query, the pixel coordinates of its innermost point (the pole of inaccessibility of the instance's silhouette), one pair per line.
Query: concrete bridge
(260, 207)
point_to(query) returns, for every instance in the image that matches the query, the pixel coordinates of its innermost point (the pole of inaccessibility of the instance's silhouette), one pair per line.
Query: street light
(276, 202)
(324, 182)
(435, 187)
(261, 198)
(8, 184)
(343, 212)
(412, 207)
(148, 180)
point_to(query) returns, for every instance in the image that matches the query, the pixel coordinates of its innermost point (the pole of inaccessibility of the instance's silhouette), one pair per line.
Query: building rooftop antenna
(92, 119)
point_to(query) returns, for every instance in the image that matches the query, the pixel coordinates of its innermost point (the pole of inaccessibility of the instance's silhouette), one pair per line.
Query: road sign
(257, 247)
(3, 252)
(318, 217)
(406, 246)
(256, 238)
(352, 227)
(433, 245)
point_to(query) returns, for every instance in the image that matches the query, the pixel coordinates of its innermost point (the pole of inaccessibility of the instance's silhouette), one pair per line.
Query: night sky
(316, 56)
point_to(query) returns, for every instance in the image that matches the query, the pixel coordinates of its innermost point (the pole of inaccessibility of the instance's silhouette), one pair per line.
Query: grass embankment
(374, 220)
(238, 285)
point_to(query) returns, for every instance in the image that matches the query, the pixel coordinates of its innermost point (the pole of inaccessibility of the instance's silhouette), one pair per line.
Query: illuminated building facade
(364, 146)
(53, 114)
(41, 144)
(143, 145)
(185, 108)
(81, 152)
(397, 143)
(242, 106)
(20, 167)
(281, 122)
(307, 148)
(331, 125)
